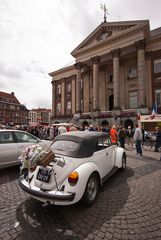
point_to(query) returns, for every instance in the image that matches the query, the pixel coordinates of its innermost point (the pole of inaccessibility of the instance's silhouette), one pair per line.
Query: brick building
(117, 71)
(40, 116)
(12, 112)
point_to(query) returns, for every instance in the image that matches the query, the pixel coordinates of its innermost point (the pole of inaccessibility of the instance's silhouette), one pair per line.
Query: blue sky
(37, 37)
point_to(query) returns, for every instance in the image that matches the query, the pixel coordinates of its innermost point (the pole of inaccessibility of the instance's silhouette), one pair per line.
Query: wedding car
(81, 162)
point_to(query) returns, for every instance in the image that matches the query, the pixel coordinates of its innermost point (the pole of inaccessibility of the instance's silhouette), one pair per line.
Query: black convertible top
(86, 140)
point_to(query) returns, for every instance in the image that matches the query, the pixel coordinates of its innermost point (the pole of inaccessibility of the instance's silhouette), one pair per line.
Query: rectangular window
(132, 71)
(12, 107)
(58, 90)
(110, 76)
(158, 97)
(69, 106)
(69, 87)
(133, 99)
(58, 109)
(157, 66)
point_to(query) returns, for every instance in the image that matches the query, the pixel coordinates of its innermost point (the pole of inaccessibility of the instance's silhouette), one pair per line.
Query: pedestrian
(158, 139)
(121, 136)
(113, 134)
(138, 136)
(129, 136)
(51, 133)
(62, 129)
(73, 128)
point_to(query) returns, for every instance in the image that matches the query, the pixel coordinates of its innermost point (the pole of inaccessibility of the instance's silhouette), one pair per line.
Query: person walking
(129, 136)
(138, 136)
(113, 134)
(158, 139)
(122, 136)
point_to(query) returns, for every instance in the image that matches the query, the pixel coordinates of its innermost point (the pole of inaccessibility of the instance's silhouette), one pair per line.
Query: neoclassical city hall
(117, 71)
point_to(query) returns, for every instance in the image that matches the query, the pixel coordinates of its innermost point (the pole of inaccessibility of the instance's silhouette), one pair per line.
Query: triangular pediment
(107, 30)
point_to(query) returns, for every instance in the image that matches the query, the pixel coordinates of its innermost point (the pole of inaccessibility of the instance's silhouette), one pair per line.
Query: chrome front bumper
(46, 195)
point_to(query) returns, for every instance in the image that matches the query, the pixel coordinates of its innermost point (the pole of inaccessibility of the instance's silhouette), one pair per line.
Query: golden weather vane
(103, 7)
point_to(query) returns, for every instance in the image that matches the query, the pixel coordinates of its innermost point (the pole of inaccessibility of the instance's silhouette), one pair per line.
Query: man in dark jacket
(158, 139)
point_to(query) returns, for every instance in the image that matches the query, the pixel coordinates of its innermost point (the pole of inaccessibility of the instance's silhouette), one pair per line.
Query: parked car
(12, 142)
(83, 161)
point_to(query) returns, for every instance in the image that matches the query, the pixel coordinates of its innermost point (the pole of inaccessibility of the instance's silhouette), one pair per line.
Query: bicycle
(149, 144)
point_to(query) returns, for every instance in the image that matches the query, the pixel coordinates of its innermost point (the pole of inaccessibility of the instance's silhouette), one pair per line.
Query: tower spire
(103, 7)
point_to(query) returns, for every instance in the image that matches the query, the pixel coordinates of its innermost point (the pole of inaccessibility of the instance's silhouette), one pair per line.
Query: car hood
(60, 168)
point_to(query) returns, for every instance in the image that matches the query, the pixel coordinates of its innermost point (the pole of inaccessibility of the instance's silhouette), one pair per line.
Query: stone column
(53, 99)
(149, 79)
(140, 45)
(116, 79)
(86, 91)
(73, 95)
(63, 97)
(95, 62)
(78, 87)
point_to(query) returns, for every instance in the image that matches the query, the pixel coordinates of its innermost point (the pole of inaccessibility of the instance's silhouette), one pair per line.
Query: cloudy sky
(37, 37)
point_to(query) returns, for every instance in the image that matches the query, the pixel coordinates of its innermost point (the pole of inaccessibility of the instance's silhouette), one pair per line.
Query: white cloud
(37, 37)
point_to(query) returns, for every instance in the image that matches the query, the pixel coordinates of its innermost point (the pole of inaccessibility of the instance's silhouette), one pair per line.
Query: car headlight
(73, 178)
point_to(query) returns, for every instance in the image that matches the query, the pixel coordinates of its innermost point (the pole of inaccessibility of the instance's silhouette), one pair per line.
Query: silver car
(13, 142)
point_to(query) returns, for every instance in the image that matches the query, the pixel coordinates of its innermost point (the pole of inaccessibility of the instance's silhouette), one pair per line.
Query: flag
(138, 115)
(154, 112)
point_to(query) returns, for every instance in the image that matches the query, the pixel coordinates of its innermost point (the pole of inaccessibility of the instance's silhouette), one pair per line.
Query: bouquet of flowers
(35, 155)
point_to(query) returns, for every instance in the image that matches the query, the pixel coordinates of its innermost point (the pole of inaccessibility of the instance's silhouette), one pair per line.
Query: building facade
(40, 116)
(12, 112)
(117, 71)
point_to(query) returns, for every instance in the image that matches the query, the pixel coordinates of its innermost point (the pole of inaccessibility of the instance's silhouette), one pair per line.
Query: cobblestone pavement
(128, 207)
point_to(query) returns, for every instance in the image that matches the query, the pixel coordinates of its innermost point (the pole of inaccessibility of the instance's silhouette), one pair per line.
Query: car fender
(84, 171)
(119, 152)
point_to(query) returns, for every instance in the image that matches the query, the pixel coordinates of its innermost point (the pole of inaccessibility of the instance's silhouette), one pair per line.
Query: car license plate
(43, 175)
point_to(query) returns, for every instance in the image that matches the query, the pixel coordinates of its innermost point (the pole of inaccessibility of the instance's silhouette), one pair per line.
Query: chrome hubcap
(92, 188)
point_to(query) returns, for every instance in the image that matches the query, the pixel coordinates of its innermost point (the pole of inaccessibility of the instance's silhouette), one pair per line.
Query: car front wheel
(91, 191)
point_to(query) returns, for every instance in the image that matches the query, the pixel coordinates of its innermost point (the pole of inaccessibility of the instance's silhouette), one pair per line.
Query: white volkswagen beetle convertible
(82, 162)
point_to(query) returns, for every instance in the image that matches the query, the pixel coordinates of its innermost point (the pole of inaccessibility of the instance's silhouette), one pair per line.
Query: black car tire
(124, 162)
(91, 191)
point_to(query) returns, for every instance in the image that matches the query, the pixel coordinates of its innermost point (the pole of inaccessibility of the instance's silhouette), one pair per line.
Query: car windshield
(64, 146)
